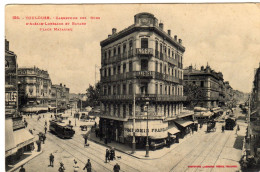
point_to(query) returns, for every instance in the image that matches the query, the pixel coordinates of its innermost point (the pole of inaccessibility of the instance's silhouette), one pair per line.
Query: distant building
(145, 63)
(17, 139)
(34, 89)
(209, 81)
(60, 97)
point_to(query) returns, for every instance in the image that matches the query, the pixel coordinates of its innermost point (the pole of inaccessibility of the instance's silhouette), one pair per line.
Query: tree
(194, 93)
(93, 94)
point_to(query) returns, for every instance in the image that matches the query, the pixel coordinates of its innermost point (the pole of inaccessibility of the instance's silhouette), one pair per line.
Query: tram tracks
(94, 157)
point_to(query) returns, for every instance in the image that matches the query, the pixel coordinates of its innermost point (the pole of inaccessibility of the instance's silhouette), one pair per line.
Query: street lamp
(147, 143)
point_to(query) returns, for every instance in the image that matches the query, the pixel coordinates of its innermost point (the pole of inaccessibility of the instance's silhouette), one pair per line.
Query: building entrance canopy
(173, 129)
(157, 129)
(184, 123)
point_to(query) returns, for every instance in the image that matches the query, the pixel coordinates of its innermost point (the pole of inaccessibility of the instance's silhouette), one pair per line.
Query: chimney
(202, 68)
(161, 25)
(169, 32)
(113, 31)
(190, 68)
(180, 41)
(109, 36)
(175, 37)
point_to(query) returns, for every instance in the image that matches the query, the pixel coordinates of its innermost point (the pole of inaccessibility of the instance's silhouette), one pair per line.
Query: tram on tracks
(61, 129)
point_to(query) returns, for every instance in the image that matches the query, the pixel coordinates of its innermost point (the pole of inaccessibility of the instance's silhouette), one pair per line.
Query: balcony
(145, 97)
(144, 51)
(142, 74)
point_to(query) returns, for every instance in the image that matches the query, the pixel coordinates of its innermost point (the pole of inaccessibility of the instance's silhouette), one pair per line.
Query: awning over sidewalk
(10, 147)
(22, 138)
(203, 114)
(184, 123)
(173, 129)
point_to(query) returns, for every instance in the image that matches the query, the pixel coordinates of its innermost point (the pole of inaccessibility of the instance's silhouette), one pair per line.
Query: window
(130, 66)
(144, 65)
(131, 45)
(105, 90)
(201, 83)
(169, 52)
(156, 66)
(109, 90)
(109, 108)
(165, 89)
(114, 51)
(118, 110)
(156, 88)
(105, 72)
(118, 89)
(160, 67)
(124, 68)
(156, 46)
(172, 71)
(169, 71)
(169, 92)
(165, 69)
(144, 43)
(173, 54)
(124, 48)
(130, 110)
(114, 89)
(118, 50)
(118, 69)
(173, 93)
(114, 70)
(131, 89)
(124, 110)
(109, 53)
(124, 89)
(161, 89)
(109, 71)
(114, 108)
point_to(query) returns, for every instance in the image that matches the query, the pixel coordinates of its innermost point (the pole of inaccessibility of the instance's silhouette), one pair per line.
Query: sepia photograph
(132, 87)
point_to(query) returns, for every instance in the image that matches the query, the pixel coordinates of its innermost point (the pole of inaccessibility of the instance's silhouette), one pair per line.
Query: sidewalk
(140, 153)
(26, 157)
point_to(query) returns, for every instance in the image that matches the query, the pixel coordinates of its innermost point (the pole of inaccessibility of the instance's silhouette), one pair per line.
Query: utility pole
(56, 101)
(133, 143)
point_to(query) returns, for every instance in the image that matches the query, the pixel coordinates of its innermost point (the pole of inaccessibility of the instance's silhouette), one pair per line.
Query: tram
(61, 129)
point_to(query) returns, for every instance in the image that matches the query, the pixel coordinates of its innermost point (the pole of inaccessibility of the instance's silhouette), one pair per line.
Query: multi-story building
(34, 89)
(141, 73)
(254, 127)
(60, 97)
(17, 139)
(210, 81)
(229, 94)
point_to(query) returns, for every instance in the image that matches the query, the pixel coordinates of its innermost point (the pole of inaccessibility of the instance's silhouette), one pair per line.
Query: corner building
(141, 65)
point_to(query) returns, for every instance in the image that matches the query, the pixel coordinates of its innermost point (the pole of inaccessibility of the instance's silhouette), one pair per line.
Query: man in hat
(51, 160)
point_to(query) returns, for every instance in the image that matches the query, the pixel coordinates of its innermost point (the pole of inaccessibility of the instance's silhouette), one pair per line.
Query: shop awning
(22, 138)
(184, 123)
(156, 137)
(173, 129)
(203, 114)
(10, 147)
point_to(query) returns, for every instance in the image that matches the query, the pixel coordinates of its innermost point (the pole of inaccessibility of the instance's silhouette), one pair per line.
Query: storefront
(185, 126)
(173, 133)
(112, 130)
(157, 131)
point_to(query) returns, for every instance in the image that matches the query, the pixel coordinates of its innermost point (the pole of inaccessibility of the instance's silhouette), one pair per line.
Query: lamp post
(147, 143)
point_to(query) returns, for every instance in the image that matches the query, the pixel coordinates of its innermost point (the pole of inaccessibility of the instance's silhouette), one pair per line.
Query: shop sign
(155, 128)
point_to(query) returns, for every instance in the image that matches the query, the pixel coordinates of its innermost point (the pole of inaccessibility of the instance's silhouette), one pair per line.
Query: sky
(226, 36)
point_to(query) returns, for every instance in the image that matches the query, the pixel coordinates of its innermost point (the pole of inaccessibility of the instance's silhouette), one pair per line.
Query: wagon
(211, 126)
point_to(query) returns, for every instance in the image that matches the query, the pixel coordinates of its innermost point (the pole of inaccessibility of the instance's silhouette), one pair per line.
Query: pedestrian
(43, 115)
(112, 154)
(22, 169)
(43, 138)
(96, 131)
(86, 140)
(51, 116)
(25, 123)
(107, 155)
(238, 128)
(223, 128)
(45, 122)
(75, 166)
(51, 160)
(38, 142)
(116, 168)
(62, 168)
(45, 129)
(69, 122)
(88, 166)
